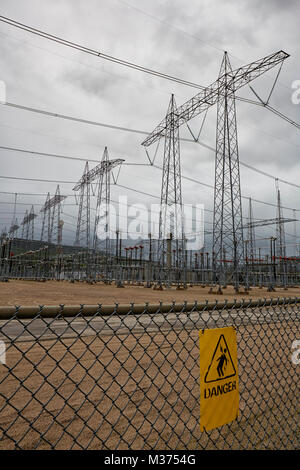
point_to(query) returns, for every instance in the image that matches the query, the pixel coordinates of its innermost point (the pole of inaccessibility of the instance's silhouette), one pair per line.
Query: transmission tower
(251, 233)
(227, 221)
(28, 224)
(83, 220)
(296, 244)
(46, 223)
(171, 222)
(227, 233)
(56, 222)
(280, 231)
(102, 226)
(14, 227)
(3, 234)
(100, 174)
(51, 218)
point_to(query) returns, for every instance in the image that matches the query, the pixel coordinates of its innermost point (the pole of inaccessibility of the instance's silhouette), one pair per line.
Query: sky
(179, 38)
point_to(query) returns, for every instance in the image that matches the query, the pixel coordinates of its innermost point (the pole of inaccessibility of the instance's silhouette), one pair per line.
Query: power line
(132, 65)
(66, 157)
(136, 190)
(127, 129)
(182, 31)
(87, 50)
(46, 154)
(99, 54)
(38, 180)
(75, 119)
(170, 25)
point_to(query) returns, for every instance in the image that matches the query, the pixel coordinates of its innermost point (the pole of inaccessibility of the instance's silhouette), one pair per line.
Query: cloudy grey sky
(184, 39)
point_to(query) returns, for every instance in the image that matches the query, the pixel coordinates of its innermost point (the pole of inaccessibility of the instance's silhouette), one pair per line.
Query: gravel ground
(132, 389)
(63, 292)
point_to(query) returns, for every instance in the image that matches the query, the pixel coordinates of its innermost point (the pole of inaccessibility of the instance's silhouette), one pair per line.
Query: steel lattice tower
(227, 221)
(171, 209)
(102, 223)
(56, 222)
(280, 231)
(28, 225)
(251, 234)
(13, 230)
(46, 224)
(227, 224)
(52, 225)
(100, 174)
(83, 221)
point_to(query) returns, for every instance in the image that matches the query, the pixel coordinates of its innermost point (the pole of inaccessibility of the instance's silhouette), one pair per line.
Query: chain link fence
(128, 377)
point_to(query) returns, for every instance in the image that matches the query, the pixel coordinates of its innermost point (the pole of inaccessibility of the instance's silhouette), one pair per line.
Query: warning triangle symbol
(221, 365)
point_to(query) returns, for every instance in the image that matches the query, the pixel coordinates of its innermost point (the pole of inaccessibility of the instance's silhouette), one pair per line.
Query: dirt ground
(141, 391)
(56, 293)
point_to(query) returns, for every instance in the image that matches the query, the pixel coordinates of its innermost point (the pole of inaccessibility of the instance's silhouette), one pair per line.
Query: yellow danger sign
(219, 384)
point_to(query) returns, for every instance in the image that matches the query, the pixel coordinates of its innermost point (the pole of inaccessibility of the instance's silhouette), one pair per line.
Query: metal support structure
(102, 220)
(228, 229)
(28, 224)
(52, 223)
(83, 220)
(227, 221)
(280, 231)
(210, 95)
(13, 230)
(251, 234)
(46, 223)
(56, 222)
(100, 174)
(171, 219)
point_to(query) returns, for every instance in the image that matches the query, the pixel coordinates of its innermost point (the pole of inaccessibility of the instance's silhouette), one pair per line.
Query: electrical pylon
(3, 234)
(46, 223)
(83, 221)
(102, 219)
(251, 233)
(102, 223)
(51, 225)
(56, 222)
(28, 225)
(280, 230)
(227, 220)
(99, 173)
(13, 230)
(171, 220)
(227, 176)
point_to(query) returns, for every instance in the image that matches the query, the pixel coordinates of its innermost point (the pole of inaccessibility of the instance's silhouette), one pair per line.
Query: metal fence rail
(128, 377)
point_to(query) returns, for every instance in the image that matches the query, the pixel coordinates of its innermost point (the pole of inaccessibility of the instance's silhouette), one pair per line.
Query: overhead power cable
(40, 180)
(102, 55)
(132, 65)
(122, 128)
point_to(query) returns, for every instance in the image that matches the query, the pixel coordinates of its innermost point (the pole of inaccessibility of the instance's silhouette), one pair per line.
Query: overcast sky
(180, 38)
